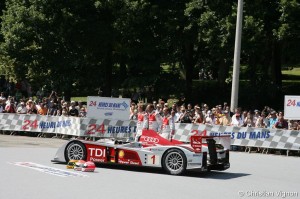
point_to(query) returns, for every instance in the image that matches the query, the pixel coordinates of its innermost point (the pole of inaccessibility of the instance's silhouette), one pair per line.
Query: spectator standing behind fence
(185, 116)
(10, 106)
(198, 118)
(256, 116)
(225, 120)
(248, 121)
(2, 97)
(281, 123)
(209, 119)
(272, 119)
(1, 106)
(73, 111)
(82, 112)
(42, 108)
(236, 120)
(131, 109)
(22, 108)
(133, 112)
(218, 114)
(52, 110)
(31, 108)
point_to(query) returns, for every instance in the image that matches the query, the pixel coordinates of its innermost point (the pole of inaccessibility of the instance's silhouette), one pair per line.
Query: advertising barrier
(292, 107)
(87, 127)
(108, 108)
(39, 123)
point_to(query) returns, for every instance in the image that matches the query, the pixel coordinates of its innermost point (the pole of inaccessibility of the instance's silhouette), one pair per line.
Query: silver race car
(203, 153)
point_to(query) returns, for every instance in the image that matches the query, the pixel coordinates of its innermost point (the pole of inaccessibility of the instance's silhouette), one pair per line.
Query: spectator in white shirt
(236, 120)
(22, 108)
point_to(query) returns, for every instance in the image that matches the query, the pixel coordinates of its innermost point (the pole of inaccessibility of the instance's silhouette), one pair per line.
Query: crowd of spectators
(221, 115)
(17, 98)
(51, 105)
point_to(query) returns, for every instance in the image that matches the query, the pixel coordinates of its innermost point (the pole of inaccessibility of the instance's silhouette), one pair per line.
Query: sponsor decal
(132, 162)
(196, 143)
(108, 113)
(121, 129)
(48, 170)
(121, 154)
(156, 149)
(96, 154)
(150, 139)
(112, 105)
(197, 155)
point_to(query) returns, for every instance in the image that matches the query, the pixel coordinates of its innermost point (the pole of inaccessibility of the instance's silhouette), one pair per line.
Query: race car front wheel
(174, 162)
(75, 151)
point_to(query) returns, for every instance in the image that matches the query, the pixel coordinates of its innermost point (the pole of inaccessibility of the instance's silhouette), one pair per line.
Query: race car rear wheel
(174, 162)
(75, 151)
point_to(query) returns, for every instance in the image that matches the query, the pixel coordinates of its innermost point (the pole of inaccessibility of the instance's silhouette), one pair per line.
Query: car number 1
(153, 160)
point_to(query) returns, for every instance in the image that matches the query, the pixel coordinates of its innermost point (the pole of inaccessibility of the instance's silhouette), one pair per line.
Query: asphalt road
(250, 176)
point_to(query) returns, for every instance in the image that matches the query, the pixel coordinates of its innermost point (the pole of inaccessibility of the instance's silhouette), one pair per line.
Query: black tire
(174, 162)
(75, 151)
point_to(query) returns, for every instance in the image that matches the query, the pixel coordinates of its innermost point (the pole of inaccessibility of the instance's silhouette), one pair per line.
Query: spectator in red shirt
(10, 107)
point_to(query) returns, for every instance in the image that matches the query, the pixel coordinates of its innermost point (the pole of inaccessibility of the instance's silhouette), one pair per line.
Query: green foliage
(76, 47)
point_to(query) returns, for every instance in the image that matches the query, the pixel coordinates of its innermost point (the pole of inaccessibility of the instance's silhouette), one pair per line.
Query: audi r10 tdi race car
(203, 153)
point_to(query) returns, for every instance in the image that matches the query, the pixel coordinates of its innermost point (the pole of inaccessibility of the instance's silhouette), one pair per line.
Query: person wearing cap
(22, 108)
(272, 119)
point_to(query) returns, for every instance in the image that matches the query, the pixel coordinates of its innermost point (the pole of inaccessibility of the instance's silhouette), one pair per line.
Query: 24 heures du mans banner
(109, 128)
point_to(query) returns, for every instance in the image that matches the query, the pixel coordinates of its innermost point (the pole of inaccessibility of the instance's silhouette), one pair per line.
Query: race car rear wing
(197, 142)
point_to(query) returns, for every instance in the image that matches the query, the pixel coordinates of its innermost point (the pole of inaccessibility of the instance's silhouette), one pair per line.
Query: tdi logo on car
(97, 155)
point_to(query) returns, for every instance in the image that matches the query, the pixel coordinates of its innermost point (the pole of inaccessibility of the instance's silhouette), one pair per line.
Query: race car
(203, 153)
